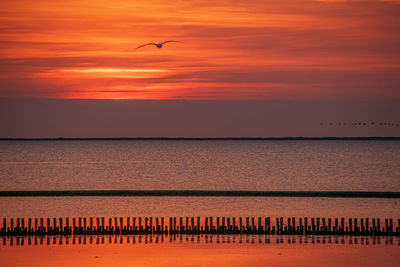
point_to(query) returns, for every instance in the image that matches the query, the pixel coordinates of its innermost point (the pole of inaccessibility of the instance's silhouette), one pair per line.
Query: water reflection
(196, 239)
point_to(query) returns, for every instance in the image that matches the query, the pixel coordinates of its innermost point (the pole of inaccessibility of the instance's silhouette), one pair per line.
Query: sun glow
(227, 49)
(113, 70)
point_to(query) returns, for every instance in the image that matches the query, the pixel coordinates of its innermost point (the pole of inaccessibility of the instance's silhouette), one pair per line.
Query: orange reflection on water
(196, 251)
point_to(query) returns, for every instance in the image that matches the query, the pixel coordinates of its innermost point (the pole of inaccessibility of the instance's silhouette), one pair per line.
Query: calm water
(213, 165)
(207, 165)
(201, 251)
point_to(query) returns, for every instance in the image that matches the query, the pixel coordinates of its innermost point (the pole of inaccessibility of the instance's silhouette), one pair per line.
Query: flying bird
(160, 45)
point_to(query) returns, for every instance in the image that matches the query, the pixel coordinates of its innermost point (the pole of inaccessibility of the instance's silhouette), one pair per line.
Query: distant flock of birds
(360, 124)
(160, 45)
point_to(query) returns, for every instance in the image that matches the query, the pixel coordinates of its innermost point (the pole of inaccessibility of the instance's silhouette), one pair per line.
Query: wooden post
(313, 225)
(198, 223)
(91, 224)
(192, 223)
(350, 225)
(342, 224)
(362, 225)
(46, 227)
(97, 225)
(146, 223)
(66, 224)
(74, 225)
(300, 227)
(115, 224)
(5, 224)
(386, 226)
(306, 224)
(293, 224)
(277, 225)
(329, 225)
(151, 224)
(174, 224)
(54, 225)
(373, 225)
(134, 224)
(181, 224)
(40, 227)
(378, 222)
(356, 225)
(41, 224)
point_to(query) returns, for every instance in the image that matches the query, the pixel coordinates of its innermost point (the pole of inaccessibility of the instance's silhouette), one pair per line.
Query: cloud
(243, 50)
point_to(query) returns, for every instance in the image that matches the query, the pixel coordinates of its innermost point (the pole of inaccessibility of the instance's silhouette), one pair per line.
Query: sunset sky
(275, 49)
(305, 62)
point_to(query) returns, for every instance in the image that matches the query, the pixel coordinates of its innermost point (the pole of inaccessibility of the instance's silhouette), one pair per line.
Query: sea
(265, 165)
(292, 165)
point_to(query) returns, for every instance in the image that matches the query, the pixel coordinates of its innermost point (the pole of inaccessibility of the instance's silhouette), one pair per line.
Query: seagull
(158, 45)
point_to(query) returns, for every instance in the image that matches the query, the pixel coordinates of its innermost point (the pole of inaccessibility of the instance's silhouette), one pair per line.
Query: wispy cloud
(229, 49)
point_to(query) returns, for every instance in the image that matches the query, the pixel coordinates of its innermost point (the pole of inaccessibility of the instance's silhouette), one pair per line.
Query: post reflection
(196, 239)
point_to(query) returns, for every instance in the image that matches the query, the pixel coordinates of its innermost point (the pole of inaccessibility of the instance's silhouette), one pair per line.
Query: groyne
(199, 226)
(199, 193)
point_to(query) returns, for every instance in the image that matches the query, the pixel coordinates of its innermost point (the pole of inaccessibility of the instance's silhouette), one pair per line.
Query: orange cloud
(228, 50)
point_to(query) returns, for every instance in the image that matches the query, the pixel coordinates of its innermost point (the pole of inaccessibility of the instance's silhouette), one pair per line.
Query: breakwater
(197, 225)
(200, 193)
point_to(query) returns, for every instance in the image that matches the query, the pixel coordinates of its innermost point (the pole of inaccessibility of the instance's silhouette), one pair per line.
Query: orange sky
(276, 49)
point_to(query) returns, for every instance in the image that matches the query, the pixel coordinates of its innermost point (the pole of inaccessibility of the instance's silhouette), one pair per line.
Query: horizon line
(199, 193)
(388, 138)
(210, 99)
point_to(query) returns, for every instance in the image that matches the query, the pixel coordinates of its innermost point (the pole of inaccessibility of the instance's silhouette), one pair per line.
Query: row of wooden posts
(196, 225)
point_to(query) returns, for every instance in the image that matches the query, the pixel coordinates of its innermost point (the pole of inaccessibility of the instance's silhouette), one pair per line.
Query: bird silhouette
(160, 45)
